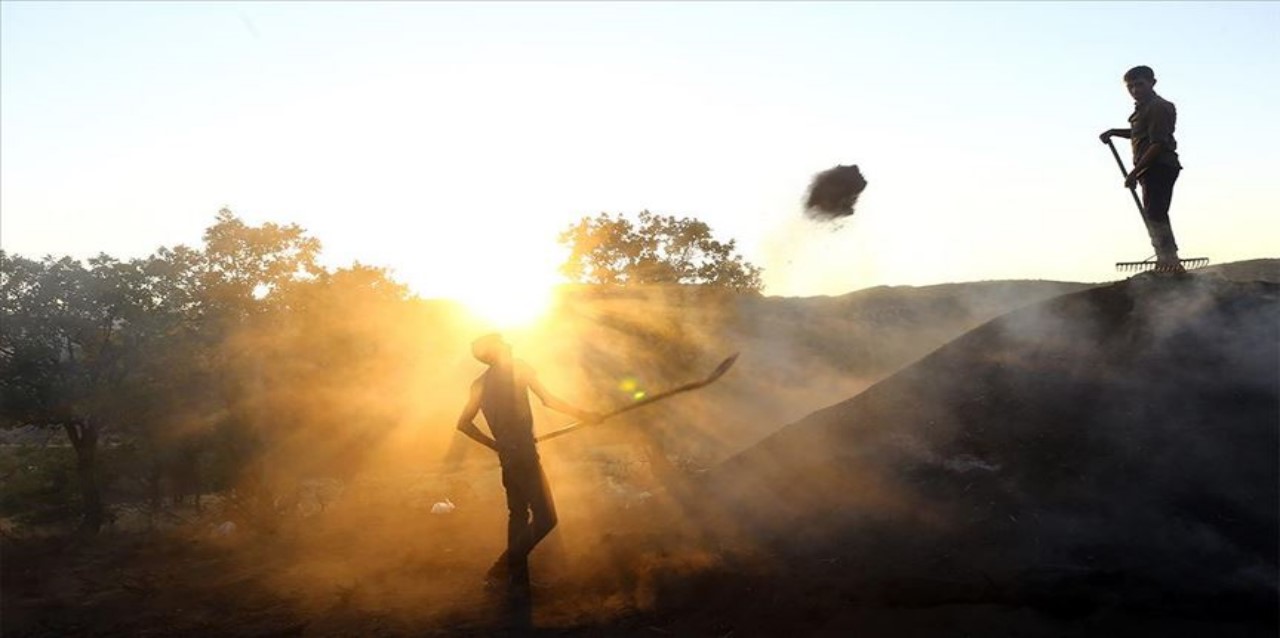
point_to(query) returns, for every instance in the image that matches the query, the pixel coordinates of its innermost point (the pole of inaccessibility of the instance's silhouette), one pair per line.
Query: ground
(176, 584)
(1103, 463)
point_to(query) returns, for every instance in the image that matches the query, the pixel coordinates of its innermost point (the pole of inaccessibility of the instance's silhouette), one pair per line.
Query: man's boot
(1169, 264)
(1166, 249)
(499, 574)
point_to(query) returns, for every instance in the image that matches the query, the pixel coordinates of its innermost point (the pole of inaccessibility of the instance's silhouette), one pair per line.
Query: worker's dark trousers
(531, 513)
(1157, 194)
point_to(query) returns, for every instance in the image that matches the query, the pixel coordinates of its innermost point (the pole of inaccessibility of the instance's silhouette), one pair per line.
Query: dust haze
(984, 421)
(354, 445)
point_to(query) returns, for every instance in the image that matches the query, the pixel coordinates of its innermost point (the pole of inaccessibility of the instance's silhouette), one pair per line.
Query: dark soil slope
(1112, 447)
(1248, 270)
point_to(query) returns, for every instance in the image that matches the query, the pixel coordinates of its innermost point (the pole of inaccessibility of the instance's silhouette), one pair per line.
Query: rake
(1149, 263)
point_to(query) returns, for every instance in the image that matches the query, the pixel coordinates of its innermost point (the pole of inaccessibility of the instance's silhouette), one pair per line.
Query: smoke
(355, 442)
(341, 438)
(1097, 447)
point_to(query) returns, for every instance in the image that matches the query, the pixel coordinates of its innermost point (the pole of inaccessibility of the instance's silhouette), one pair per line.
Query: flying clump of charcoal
(833, 193)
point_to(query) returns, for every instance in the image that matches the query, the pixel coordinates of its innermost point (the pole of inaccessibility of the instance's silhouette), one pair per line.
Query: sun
(508, 305)
(509, 294)
(506, 280)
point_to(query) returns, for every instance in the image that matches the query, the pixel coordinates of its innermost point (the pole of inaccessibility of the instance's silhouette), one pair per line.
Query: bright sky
(451, 142)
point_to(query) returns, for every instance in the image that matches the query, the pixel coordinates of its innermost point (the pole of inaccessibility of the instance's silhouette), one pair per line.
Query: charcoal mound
(1118, 446)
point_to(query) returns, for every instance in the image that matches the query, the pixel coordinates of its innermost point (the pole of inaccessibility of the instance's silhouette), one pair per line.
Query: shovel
(653, 398)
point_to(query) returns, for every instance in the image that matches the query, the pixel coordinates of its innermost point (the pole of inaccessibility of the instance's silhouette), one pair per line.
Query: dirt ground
(422, 576)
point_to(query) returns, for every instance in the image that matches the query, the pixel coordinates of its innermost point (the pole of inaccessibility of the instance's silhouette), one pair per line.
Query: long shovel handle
(1125, 172)
(654, 398)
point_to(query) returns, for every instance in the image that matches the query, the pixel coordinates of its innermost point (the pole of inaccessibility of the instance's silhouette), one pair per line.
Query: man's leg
(518, 532)
(1157, 195)
(534, 497)
(543, 508)
(527, 493)
(514, 561)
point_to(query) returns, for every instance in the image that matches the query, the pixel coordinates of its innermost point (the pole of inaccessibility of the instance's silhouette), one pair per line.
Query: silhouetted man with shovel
(1155, 161)
(502, 393)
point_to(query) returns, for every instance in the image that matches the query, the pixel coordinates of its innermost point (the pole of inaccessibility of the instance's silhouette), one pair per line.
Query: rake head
(1150, 264)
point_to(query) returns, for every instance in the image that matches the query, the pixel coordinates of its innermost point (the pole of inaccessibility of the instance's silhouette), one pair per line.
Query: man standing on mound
(1155, 161)
(502, 393)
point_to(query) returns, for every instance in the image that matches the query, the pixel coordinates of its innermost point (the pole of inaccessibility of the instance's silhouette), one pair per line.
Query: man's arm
(555, 403)
(1140, 167)
(1115, 132)
(466, 422)
(1160, 131)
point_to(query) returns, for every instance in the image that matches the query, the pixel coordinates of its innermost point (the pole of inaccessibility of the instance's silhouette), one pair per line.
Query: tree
(339, 345)
(654, 249)
(655, 333)
(136, 347)
(63, 351)
(238, 365)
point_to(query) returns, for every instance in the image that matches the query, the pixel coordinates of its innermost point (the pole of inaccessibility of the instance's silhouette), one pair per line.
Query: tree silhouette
(670, 263)
(131, 347)
(64, 353)
(654, 249)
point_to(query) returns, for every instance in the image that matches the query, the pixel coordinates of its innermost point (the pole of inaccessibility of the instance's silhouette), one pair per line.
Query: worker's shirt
(1152, 122)
(504, 401)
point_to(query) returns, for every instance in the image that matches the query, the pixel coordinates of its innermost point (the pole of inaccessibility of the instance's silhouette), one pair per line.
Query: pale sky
(402, 134)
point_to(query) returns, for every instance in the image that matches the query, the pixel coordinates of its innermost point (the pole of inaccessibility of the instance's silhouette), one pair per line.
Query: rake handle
(1125, 172)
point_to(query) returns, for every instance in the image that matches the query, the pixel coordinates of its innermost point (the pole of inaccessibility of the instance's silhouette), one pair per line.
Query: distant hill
(1250, 270)
(1114, 446)
(877, 330)
(874, 331)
